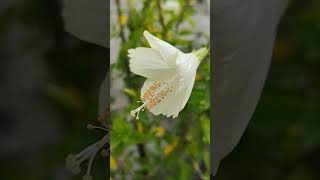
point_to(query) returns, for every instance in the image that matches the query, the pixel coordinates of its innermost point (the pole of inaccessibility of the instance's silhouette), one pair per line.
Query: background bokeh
(282, 141)
(49, 84)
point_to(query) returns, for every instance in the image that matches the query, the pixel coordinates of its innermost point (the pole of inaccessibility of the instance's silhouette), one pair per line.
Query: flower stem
(201, 53)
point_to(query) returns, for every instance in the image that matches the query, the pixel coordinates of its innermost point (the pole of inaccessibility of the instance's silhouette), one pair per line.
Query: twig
(141, 148)
(164, 28)
(122, 36)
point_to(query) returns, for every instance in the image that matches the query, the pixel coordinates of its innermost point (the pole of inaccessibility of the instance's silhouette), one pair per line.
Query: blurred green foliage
(155, 147)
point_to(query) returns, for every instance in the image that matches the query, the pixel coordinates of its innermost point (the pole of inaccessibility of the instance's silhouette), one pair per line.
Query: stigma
(135, 113)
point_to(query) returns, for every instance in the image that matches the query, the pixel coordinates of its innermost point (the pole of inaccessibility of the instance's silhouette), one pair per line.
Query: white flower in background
(170, 75)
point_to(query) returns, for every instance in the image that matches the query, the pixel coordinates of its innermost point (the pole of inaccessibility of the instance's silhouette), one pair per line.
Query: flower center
(156, 93)
(153, 96)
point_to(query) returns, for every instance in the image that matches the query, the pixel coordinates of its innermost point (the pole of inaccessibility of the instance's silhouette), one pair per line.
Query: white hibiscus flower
(170, 76)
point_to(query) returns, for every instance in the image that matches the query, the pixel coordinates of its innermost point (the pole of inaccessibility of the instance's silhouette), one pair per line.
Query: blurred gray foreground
(243, 34)
(88, 20)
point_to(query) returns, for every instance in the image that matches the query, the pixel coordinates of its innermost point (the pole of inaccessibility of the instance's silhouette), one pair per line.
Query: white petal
(164, 106)
(187, 65)
(167, 51)
(174, 101)
(146, 85)
(181, 84)
(149, 63)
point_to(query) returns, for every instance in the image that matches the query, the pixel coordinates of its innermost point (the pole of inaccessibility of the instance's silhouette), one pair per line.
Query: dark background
(49, 84)
(282, 141)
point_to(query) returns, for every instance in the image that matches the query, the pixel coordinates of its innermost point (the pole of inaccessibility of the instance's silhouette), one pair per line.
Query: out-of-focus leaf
(243, 32)
(88, 20)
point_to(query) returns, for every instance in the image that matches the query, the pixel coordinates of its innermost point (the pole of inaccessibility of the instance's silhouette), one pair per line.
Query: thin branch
(122, 36)
(141, 148)
(163, 25)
